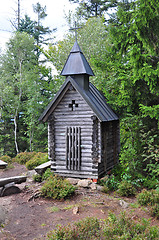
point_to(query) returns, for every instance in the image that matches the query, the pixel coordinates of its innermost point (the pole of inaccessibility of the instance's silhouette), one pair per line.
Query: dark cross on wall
(75, 29)
(73, 105)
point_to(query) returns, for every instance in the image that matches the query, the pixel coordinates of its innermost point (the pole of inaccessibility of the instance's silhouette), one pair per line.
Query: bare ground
(31, 219)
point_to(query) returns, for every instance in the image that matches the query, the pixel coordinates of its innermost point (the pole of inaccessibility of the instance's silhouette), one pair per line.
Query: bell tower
(77, 67)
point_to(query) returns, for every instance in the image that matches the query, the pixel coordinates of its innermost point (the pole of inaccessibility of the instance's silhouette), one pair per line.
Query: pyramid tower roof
(76, 63)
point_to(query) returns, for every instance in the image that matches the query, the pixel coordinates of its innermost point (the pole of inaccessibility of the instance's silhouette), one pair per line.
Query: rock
(2, 215)
(31, 173)
(75, 210)
(100, 188)
(73, 181)
(93, 186)
(123, 204)
(84, 183)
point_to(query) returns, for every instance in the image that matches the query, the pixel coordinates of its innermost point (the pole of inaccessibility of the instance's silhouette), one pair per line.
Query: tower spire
(75, 29)
(76, 63)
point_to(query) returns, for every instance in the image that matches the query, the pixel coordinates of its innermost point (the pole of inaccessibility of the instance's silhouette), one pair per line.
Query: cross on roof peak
(75, 29)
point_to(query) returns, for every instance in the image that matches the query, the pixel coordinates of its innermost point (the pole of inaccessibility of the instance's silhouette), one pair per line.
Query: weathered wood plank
(85, 149)
(76, 147)
(79, 150)
(61, 162)
(67, 101)
(3, 164)
(69, 123)
(67, 114)
(73, 119)
(65, 111)
(79, 174)
(84, 140)
(86, 154)
(63, 168)
(84, 128)
(41, 168)
(16, 180)
(69, 148)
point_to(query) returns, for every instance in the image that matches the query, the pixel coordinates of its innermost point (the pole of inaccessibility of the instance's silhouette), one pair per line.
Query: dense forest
(120, 39)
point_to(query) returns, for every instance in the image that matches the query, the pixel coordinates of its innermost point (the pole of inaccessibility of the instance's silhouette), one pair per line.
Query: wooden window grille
(73, 148)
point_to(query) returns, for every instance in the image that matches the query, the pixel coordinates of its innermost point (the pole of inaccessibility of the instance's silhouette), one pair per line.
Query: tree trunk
(18, 14)
(31, 139)
(15, 133)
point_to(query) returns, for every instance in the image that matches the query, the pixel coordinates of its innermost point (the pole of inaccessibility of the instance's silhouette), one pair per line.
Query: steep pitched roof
(76, 63)
(93, 97)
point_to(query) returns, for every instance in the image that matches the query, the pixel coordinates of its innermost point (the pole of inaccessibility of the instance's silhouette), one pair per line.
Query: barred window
(73, 148)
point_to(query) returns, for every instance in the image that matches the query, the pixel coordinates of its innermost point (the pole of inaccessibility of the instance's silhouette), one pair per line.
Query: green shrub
(148, 197)
(6, 159)
(36, 160)
(57, 188)
(111, 183)
(105, 189)
(86, 229)
(113, 228)
(24, 157)
(123, 227)
(126, 189)
(44, 176)
(37, 178)
(150, 183)
(47, 174)
(154, 210)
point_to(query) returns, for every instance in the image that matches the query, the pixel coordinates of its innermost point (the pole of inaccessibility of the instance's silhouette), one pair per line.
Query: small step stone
(73, 181)
(75, 210)
(84, 183)
(93, 186)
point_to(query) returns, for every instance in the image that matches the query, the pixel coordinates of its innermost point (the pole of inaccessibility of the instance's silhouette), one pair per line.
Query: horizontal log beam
(16, 180)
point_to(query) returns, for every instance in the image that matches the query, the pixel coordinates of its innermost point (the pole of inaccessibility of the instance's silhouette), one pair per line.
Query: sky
(56, 10)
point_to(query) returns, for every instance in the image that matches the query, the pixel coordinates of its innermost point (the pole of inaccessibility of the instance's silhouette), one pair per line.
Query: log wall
(110, 146)
(73, 112)
(79, 145)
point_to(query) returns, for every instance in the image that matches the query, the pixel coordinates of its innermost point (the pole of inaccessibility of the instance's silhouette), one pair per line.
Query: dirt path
(30, 220)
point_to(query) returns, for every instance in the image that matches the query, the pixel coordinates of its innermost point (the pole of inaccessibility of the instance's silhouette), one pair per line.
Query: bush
(57, 188)
(37, 178)
(113, 227)
(154, 210)
(148, 197)
(6, 159)
(86, 229)
(110, 183)
(123, 227)
(24, 157)
(36, 160)
(150, 183)
(126, 189)
(151, 198)
(44, 176)
(47, 174)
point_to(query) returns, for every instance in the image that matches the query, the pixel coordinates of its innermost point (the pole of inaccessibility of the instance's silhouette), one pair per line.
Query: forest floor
(32, 219)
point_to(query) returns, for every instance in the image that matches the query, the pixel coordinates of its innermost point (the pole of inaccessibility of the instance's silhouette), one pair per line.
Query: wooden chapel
(83, 131)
